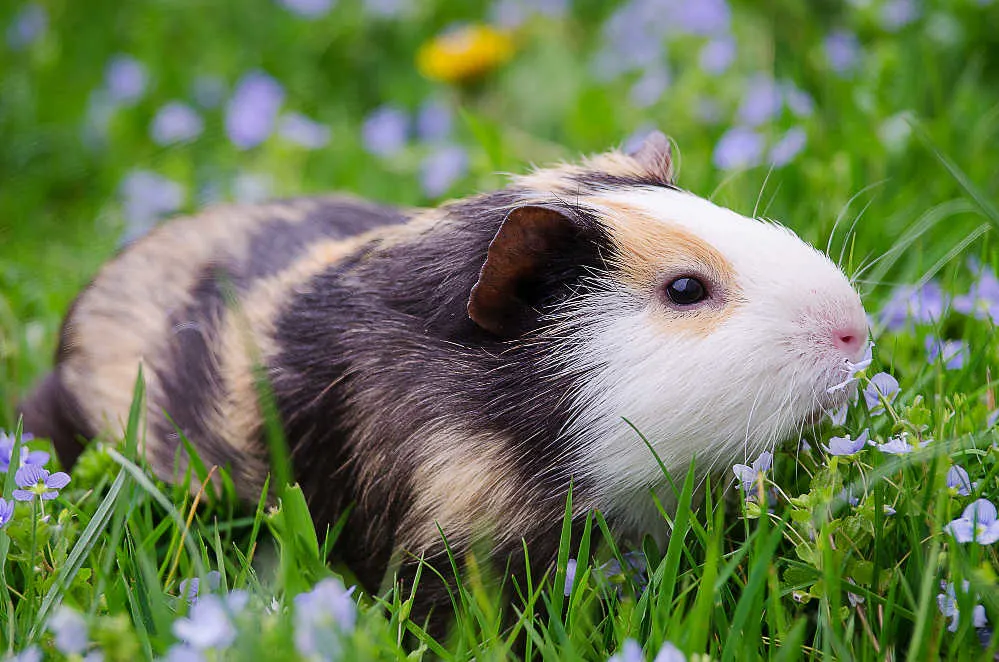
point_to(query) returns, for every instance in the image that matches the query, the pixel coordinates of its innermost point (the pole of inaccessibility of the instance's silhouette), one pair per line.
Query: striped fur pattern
(418, 394)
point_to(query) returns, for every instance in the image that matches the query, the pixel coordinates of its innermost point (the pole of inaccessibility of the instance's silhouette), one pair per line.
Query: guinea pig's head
(714, 334)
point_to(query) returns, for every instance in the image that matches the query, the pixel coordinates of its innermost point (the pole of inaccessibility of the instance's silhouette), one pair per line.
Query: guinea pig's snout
(850, 338)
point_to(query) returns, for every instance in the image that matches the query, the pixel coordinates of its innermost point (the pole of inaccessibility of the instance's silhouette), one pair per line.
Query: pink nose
(849, 339)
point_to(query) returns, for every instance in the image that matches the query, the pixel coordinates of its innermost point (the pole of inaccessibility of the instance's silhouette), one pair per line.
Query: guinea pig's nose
(849, 339)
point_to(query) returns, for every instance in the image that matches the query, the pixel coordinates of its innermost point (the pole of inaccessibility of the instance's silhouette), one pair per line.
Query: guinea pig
(462, 366)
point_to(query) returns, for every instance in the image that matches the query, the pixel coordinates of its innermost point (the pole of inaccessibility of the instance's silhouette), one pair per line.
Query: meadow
(869, 127)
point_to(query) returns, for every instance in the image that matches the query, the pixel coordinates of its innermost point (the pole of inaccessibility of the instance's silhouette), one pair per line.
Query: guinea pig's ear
(655, 155)
(525, 260)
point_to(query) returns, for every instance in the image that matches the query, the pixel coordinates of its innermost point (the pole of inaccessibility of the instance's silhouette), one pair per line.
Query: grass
(897, 179)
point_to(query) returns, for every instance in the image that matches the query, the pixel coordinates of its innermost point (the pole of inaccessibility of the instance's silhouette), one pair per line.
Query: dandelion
(6, 512)
(749, 476)
(838, 416)
(842, 51)
(70, 630)
(176, 122)
(894, 446)
(35, 481)
(27, 457)
(308, 8)
(788, 147)
(570, 577)
(740, 147)
(846, 446)
(464, 53)
(189, 589)
(717, 55)
(959, 482)
(630, 651)
(321, 617)
(762, 101)
(442, 168)
(253, 109)
(125, 79)
(951, 353)
(433, 121)
(28, 26)
(209, 623)
(881, 389)
(947, 604)
(301, 130)
(385, 131)
(976, 524)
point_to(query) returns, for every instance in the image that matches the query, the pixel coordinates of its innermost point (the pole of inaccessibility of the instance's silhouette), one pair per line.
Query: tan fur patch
(647, 249)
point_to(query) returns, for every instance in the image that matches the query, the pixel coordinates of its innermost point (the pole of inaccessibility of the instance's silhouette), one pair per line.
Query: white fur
(722, 397)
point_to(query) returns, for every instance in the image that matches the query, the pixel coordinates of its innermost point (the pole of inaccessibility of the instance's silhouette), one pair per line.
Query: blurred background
(883, 114)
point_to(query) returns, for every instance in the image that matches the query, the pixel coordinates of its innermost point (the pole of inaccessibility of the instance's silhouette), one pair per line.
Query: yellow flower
(464, 54)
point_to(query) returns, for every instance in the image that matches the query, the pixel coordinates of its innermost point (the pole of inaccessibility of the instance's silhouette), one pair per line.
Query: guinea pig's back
(194, 303)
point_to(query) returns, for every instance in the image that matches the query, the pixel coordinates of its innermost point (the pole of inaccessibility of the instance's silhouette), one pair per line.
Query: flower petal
(23, 495)
(980, 511)
(57, 481)
(962, 529)
(29, 475)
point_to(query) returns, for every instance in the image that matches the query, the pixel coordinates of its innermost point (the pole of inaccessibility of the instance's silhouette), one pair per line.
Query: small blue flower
(29, 654)
(176, 122)
(6, 512)
(433, 121)
(842, 51)
(883, 388)
(385, 131)
(308, 8)
(570, 577)
(253, 109)
(303, 131)
(749, 476)
(189, 589)
(35, 481)
(670, 653)
(702, 18)
(838, 416)
(788, 147)
(976, 524)
(28, 26)
(959, 482)
(321, 617)
(184, 653)
(846, 445)
(209, 623)
(442, 168)
(146, 198)
(717, 55)
(762, 101)
(895, 446)
(947, 603)
(951, 352)
(896, 14)
(125, 79)
(650, 87)
(852, 370)
(70, 630)
(982, 299)
(925, 305)
(514, 13)
(208, 91)
(630, 651)
(739, 147)
(27, 456)
(798, 101)
(251, 187)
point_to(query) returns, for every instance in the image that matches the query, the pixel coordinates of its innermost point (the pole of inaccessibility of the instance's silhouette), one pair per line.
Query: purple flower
(70, 630)
(6, 512)
(208, 91)
(852, 370)
(570, 577)
(982, 300)
(798, 101)
(308, 8)
(35, 481)
(630, 651)
(895, 446)
(896, 14)
(717, 55)
(842, 51)
(951, 352)
(321, 617)
(514, 13)
(788, 147)
(250, 188)
(748, 476)
(838, 416)
(125, 79)
(189, 589)
(650, 87)
(670, 653)
(146, 198)
(442, 168)
(762, 101)
(704, 17)
(252, 110)
(846, 495)
(846, 445)
(991, 419)
(882, 389)
(299, 129)
(29, 654)
(925, 305)
(176, 122)
(959, 482)
(209, 623)
(433, 121)
(27, 456)
(183, 653)
(385, 131)
(740, 147)
(947, 603)
(976, 524)
(28, 25)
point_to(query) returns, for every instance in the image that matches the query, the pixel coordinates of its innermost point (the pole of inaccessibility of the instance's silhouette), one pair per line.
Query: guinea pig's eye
(686, 291)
